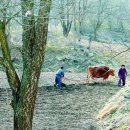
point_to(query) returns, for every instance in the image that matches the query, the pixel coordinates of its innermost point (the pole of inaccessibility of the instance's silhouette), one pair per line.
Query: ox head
(112, 72)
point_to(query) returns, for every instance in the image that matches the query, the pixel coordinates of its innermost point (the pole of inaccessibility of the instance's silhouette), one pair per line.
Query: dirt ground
(72, 108)
(47, 79)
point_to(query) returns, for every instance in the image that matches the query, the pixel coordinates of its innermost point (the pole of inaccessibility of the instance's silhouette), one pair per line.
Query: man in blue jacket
(122, 75)
(58, 77)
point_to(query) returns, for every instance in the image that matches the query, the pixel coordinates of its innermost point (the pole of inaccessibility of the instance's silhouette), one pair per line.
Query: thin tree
(98, 13)
(66, 17)
(82, 11)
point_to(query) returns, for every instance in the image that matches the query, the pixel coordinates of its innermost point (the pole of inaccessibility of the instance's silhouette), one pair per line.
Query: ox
(99, 72)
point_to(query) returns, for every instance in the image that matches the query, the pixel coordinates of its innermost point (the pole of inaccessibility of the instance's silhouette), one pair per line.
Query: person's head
(122, 66)
(62, 67)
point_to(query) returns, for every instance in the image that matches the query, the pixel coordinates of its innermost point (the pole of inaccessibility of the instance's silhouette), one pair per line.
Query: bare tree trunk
(34, 44)
(66, 20)
(95, 35)
(90, 42)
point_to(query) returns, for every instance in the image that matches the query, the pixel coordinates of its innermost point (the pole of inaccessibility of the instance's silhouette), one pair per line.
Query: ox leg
(87, 79)
(104, 81)
(93, 80)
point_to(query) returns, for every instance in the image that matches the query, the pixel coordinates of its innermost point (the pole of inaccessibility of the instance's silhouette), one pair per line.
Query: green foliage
(124, 127)
(73, 59)
(128, 107)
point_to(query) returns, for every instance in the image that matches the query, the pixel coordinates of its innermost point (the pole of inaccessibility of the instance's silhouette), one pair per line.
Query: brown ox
(99, 72)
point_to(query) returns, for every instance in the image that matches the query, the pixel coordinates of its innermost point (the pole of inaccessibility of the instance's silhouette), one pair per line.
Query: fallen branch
(71, 79)
(120, 53)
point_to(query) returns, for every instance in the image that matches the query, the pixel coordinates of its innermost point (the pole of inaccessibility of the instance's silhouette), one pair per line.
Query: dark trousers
(122, 81)
(58, 81)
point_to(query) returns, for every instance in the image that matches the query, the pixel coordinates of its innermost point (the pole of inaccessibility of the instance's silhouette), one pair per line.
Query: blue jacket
(60, 72)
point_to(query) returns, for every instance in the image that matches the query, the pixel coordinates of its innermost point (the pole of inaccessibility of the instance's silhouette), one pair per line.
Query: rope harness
(104, 74)
(77, 81)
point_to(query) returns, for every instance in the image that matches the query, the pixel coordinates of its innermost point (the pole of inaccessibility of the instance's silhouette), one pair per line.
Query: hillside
(115, 115)
(74, 54)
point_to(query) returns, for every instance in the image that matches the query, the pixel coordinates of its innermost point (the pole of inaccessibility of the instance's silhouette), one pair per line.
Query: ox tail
(88, 75)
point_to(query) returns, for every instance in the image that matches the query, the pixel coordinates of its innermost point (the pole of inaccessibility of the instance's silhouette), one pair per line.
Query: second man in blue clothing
(58, 77)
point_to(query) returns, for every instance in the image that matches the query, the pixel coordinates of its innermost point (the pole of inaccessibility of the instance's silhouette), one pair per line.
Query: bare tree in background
(66, 16)
(79, 16)
(82, 11)
(98, 12)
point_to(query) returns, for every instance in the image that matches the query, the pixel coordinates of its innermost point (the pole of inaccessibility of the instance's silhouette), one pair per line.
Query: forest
(37, 38)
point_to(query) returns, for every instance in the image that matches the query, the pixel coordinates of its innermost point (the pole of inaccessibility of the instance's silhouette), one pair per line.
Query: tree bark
(34, 44)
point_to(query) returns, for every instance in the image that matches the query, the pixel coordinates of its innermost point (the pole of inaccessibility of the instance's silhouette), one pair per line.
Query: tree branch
(120, 53)
(12, 76)
(8, 20)
(2, 61)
